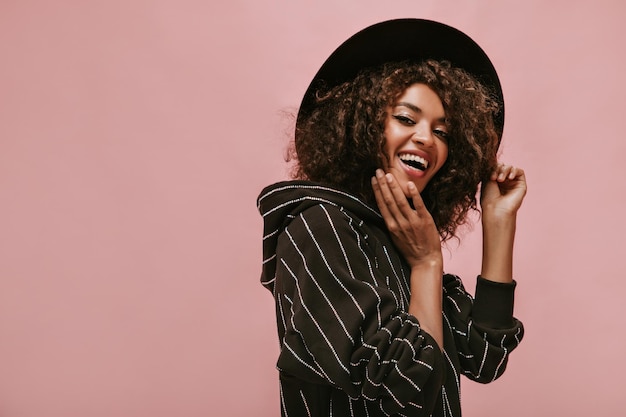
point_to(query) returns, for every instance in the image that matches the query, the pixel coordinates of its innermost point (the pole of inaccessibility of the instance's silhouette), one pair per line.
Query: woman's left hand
(503, 193)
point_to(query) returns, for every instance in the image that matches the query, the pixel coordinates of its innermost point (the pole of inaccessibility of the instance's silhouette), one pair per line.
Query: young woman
(394, 138)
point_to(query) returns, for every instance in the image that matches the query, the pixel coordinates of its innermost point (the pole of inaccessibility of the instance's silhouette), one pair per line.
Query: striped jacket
(348, 347)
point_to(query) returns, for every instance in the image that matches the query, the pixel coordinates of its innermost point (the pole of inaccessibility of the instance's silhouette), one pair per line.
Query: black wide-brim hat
(405, 40)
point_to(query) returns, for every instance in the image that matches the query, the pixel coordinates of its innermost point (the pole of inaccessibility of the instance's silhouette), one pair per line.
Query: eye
(405, 120)
(441, 134)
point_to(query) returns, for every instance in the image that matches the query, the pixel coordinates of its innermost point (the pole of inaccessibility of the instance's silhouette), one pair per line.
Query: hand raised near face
(412, 229)
(502, 194)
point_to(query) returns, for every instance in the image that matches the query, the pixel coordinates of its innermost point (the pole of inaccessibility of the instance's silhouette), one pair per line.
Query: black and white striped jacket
(348, 345)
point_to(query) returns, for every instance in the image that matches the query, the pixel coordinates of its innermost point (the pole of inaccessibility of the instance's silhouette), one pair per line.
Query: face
(416, 137)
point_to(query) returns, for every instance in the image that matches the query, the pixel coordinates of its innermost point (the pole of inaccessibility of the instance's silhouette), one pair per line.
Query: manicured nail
(389, 178)
(379, 173)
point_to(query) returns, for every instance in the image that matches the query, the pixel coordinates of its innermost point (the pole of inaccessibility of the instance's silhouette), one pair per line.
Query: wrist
(433, 263)
(499, 218)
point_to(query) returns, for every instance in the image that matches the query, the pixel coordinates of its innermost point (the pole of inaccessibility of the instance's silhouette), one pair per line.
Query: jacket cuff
(493, 304)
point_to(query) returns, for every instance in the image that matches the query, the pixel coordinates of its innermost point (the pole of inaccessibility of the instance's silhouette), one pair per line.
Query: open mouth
(414, 161)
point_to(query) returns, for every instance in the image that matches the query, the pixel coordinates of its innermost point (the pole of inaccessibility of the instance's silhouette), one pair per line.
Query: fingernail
(379, 173)
(389, 178)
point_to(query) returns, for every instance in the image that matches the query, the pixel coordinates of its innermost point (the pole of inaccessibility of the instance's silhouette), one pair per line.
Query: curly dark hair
(341, 141)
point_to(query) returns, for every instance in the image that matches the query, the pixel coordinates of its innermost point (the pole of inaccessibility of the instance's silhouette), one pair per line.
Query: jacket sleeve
(484, 329)
(341, 322)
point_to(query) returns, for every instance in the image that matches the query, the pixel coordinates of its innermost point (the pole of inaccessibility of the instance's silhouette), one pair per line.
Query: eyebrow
(409, 105)
(417, 109)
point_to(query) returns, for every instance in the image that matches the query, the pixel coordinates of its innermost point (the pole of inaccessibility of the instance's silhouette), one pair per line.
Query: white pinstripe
(312, 277)
(456, 375)
(506, 352)
(314, 321)
(482, 362)
(308, 412)
(404, 296)
(320, 371)
(317, 187)
(282, 398)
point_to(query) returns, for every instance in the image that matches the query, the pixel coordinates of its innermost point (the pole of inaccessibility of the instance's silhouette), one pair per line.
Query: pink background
(136, 135)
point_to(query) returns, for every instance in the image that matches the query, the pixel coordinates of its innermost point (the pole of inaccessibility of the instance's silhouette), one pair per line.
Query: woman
(393, 139)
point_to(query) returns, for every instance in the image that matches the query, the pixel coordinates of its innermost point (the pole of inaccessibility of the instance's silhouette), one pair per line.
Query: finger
(496, 171)
(387, 194)
(418, 203)
(380, 200)
(387, 204)
(399, 197)
(503, 172)
(512, 173)
(507, 172)
(516, 173)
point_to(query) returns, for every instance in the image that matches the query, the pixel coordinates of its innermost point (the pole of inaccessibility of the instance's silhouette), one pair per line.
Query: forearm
(501, 198)
(426, 298)
(498, 239)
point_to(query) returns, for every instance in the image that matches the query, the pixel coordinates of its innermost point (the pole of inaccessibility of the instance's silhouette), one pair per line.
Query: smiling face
(416, 137)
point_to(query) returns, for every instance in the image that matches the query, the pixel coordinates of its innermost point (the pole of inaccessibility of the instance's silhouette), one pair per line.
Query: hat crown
(407, 39)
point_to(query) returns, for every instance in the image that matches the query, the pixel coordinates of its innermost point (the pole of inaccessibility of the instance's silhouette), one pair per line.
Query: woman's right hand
(413, 230)
(414, 233)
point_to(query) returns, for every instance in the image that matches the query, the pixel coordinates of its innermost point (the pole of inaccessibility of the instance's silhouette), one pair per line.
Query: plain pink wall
(136, 135)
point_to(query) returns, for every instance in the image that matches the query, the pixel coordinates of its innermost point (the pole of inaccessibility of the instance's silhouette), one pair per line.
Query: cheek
(443, 152)
(445, 155)
(442, 155)
(392, 140)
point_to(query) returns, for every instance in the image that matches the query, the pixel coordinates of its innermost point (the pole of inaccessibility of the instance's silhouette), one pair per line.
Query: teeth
(414, 161)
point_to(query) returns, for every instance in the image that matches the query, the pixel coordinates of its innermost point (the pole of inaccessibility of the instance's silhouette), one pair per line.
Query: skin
(500, 199)
(416, 125)
(415, 234)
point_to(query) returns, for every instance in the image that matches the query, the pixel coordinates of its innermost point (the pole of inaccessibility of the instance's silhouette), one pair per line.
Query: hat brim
(406, 40)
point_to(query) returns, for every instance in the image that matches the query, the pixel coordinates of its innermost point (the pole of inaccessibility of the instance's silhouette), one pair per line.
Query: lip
(410, 171)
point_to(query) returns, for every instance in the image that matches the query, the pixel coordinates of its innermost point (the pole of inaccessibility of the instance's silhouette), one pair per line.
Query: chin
(420, 187)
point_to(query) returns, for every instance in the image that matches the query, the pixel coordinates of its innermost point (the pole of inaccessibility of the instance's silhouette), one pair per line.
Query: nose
(423, 133)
